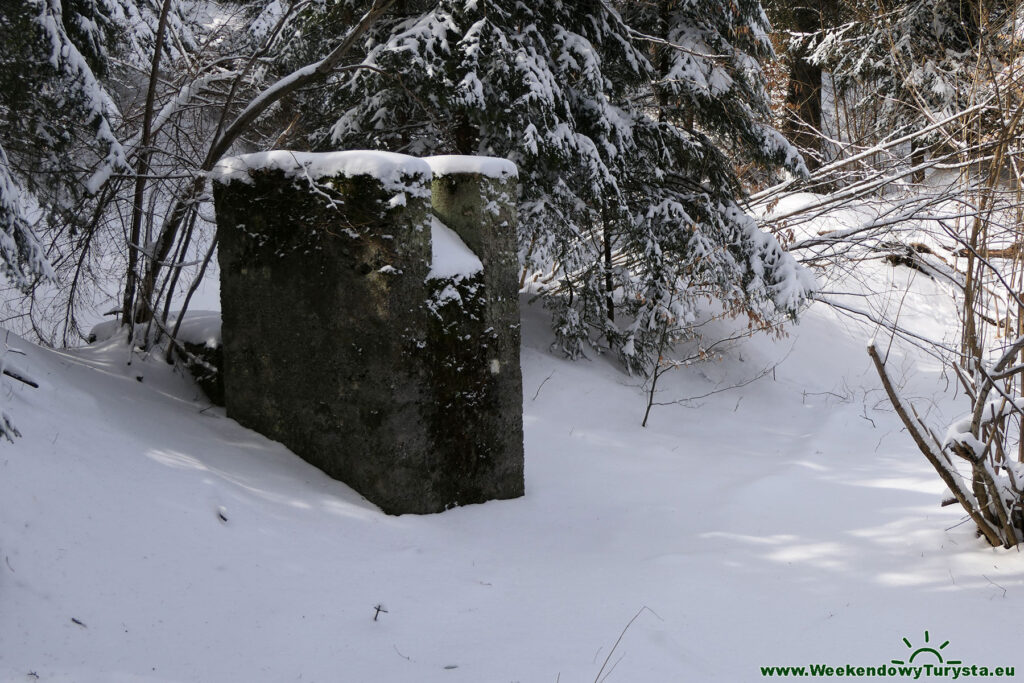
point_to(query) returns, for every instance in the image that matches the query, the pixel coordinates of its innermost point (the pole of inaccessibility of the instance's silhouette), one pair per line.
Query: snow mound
(492, 167)
(201, 328)
(137, 524)
(395, 171)
(104, 331)
(449, 255)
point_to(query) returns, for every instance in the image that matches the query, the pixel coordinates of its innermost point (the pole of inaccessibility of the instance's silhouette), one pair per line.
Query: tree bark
(128, 309)
(934, 456)
(803, 94)
(917, 151)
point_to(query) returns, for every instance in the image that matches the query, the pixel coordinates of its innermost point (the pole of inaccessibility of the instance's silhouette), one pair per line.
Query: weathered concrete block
(332, 341)
(476, 197)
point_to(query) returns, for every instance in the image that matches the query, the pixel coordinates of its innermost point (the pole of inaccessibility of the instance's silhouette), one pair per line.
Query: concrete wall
(481, 209)
(338, 345)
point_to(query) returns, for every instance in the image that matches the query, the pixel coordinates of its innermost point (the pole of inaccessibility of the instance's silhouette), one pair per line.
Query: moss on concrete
(336, 344)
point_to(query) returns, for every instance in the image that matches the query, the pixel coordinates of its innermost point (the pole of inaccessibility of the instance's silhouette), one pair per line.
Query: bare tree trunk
(466, 136)
(933, 453)
(609, 279)
(128, 310)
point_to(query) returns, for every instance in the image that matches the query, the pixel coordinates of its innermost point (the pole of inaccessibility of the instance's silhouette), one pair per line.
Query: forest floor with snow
(146, 537)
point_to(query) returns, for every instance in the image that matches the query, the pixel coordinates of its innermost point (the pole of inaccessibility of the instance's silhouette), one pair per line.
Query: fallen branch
(14, 373)
(951, 478)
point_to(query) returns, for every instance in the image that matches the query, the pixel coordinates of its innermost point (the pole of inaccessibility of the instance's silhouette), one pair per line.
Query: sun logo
(926, 649)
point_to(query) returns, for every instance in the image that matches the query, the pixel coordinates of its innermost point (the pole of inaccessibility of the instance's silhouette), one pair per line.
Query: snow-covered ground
(146, 537)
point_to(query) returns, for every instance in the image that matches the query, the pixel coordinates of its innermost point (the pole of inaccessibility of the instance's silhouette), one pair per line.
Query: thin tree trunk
(128, 310)
(609, 279)
(917, 152)
(951, 479)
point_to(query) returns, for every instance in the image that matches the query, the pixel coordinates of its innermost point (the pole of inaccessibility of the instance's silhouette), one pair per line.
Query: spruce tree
(710, 101)
(58, 118)
(620, 127)
(48, 86)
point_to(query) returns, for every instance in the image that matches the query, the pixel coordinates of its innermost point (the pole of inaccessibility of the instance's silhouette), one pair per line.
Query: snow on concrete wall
(376, 341)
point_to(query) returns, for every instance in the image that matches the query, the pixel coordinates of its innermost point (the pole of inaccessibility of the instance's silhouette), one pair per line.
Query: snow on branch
(66, 59)
(292, 82)
(21, 254)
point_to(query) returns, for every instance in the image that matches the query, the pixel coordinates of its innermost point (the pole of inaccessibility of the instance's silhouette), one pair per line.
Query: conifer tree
(710, 101)
(58, 118)
(619, 125)
(48, 85)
